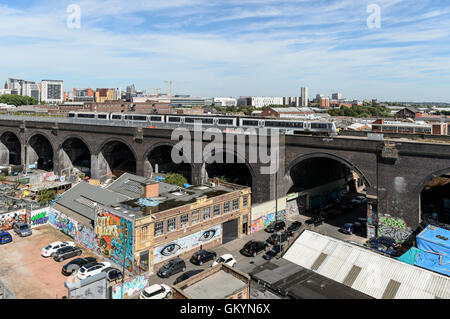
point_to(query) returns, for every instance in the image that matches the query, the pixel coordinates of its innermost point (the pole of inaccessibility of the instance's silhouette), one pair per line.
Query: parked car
(72, 266)
(92, 269)
(350, 228)
(202, 256)
(315, 220)
(252, 248)
(276, 239)
(66, 253)
(51, 249)
(5, 237)
(22, 229)
(275, 226)
(187, 275)
(386, 241)
(156, 291)
(294, 226)
(172, 267)
(276, 249)
(389, 250)
(361, 199)
(113, 274)
(226, 259)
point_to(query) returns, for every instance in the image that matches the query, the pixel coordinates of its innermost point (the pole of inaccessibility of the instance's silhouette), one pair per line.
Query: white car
(156, 291)
(50, 249)
(226, 259)
(91, 270)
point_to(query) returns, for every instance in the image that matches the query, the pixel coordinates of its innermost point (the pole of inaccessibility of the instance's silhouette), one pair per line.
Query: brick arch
(75, 136)
(225, 151)
(159, 144)
(116, 139)
(46, 135)
(429, 178)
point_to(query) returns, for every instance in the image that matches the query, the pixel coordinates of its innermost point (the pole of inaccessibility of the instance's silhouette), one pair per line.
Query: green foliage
(46, 195)
(18, 100)
(361, 111)
(175, 179)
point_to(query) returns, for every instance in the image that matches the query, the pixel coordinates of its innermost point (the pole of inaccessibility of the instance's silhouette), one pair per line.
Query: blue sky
(233, 48)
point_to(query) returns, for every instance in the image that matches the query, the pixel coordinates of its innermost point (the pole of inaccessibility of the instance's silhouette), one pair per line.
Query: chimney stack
(149, 189)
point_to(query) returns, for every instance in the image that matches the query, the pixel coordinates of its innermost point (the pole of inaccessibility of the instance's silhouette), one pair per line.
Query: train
(288, 126)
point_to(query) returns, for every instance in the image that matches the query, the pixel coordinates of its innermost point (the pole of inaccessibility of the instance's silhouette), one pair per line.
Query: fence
(5, 293)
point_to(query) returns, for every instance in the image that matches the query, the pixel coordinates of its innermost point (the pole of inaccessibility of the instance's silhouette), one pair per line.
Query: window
(195, 217)
(226, 207)
(235, 204)
(206, 213)
(159, 229)
(216, 210)
(245, 201)
(144, 233)
(171, 224)
(184, 220)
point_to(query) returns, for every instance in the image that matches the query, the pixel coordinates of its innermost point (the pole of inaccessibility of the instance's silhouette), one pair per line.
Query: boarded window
(391, 290)
(319, 261)
(352, 275)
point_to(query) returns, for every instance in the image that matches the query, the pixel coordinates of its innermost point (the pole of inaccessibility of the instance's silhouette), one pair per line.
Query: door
(230, 230)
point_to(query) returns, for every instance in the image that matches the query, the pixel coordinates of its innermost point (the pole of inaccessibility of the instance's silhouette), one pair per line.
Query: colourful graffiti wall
(131, 287)
(38, 217)
(62, 222)
(7, 220)
(184, 244)
(86, 237)
(392, 227)
(113, 233)
(262, 222)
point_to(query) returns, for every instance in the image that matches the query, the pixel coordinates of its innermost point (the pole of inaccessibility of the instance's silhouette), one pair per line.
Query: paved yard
(27, 273)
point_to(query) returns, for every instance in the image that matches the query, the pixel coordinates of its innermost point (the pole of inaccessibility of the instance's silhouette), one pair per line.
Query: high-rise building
(6, 85)
(52, 91)
(336, 96)
(23, 88)
(304, 96)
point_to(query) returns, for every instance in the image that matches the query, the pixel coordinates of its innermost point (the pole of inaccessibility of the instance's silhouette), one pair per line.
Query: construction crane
(156, 90)
(171, 83)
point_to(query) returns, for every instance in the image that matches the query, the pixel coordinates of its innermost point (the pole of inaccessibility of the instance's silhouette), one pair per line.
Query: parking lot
(26, 272)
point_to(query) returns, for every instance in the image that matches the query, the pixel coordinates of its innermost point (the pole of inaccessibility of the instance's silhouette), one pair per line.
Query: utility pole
(125, 232)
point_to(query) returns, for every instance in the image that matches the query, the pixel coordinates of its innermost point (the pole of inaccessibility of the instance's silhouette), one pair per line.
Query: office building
(24, 88)
(260, 102)
(336, 96)
(52, 91)
(304, 97)
(225, 101)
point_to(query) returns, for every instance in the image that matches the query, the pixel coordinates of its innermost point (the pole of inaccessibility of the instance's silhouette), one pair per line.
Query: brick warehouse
(159, 225)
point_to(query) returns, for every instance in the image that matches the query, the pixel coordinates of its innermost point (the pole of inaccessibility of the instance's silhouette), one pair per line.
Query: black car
(294, 226)
(113, 274)
(252, 248)
(389, 250)
(275, 226)
(315, 220)
(202, 256)
(172, 267)
(276, 239)
(276, 249)
(67, 252)
(187, 275)
(75, 264)
(386, 241)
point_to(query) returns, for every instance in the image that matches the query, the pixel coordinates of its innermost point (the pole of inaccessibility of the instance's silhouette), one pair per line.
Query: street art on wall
(85, 237)
(131, 287)
(63, 223)
(114, 238)
(262, 222)
(185, 244)
(395, 228)
(7, 220)
(38, 217)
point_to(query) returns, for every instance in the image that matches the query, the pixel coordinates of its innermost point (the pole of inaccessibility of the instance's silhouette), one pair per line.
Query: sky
(215, 48)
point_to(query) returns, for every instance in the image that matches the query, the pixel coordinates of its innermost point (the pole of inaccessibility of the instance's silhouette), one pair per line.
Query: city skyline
(260, 48)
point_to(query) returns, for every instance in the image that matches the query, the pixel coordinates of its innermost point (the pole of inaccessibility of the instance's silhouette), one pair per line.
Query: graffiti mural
(115, 238)
(185, 244)
(131, 287)
(86, 237)
(7, 220)
(395, 228)
(38, 217)
(262, 222)
(63, 223)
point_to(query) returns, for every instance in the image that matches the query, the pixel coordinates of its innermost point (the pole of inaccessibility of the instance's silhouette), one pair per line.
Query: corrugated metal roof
(366, 271)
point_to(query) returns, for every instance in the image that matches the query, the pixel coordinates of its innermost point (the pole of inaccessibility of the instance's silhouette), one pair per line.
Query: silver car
(22, 229)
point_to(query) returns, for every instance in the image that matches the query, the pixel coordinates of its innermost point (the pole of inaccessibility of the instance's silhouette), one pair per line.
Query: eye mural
(170, 249)
(186, 244)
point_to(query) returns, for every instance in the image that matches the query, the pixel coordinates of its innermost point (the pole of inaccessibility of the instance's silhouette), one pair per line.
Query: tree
(18, 100)
(175, 179)
(46, 195)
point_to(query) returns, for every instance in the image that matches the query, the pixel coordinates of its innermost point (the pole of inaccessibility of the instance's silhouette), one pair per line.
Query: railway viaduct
(394, 171)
